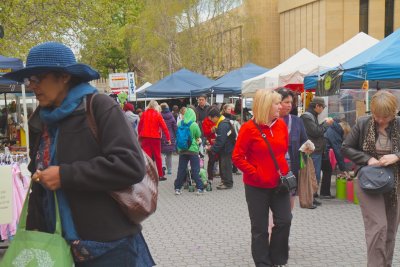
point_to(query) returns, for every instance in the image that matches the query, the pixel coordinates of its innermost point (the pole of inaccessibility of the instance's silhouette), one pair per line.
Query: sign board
(131, 85)
(2, 70)
(118, 82)
(6, 195)
(219, 98)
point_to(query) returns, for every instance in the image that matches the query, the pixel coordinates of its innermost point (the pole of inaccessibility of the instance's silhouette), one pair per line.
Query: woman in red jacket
(251, 155)
(150, 125)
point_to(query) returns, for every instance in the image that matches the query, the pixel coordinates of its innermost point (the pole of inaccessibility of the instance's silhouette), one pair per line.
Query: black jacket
(89, 169)
(201, 113)
(224, 143)
(352, 145)
(315, 131)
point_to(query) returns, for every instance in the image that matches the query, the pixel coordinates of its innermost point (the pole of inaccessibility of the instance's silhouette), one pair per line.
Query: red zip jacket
(207, 125)
(150, 124)
(251, 154)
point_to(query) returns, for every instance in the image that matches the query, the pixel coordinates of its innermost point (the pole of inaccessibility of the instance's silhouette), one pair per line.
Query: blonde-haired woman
(149, 131)
(251, 155)
(374, 140)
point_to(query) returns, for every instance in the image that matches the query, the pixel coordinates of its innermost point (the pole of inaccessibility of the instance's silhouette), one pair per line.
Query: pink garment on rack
(333, 160)
(20, 188)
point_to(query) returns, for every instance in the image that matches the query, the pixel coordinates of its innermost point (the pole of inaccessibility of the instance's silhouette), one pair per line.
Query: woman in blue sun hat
(66, 158)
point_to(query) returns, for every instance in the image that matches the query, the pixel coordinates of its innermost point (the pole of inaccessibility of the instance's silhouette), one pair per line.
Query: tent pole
(7, 127)
(25, 118)
(241, 109)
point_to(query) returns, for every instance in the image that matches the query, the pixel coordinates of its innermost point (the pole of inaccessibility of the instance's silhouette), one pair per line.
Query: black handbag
(288, 182)
(376, 180)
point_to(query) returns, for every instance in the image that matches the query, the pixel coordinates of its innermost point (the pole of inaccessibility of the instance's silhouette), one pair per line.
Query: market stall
(352, 47)
(178, 84)
(13, 120)
(361, 76)
(270, 79)
(14, 178)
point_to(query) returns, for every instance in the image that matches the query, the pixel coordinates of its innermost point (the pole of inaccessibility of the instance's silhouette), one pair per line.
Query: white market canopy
(352, 47)
(143, 87)
(270, 79)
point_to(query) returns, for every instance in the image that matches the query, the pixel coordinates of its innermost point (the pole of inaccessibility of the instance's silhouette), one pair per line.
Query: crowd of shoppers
(82, 173)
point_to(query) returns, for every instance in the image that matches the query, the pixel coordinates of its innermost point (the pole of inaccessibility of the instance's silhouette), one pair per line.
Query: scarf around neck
(47, 156)
(369, 146)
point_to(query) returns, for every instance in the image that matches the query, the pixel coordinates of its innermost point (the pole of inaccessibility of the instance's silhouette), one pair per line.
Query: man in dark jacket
(223, 146)
(315, 131)
(201, 113)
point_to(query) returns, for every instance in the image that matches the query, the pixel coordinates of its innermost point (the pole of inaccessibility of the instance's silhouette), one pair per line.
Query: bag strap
(24, 213)
(269, 147)
(90, 118)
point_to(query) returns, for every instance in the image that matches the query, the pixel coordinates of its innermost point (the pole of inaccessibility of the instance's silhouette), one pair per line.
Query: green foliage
(153, 38)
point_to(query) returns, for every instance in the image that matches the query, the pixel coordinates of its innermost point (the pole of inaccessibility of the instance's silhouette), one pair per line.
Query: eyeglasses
(34, 79)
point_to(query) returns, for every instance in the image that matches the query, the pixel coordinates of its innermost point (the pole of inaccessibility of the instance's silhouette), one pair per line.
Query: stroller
(189, 182)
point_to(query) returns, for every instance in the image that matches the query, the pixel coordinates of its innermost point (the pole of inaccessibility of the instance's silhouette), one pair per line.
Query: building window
(389, 14)
(364, 6)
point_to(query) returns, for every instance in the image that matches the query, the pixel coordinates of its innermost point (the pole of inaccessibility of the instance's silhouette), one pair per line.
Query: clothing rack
(20, 181)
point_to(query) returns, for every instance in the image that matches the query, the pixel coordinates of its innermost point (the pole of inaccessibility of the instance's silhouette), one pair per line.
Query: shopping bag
(37, 249)
(307, 181)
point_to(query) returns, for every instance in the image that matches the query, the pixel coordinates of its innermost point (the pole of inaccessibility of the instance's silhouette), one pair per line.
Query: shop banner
(330, 83)
(131, 84)
(5, 194)
(219, 98)
(118, 82)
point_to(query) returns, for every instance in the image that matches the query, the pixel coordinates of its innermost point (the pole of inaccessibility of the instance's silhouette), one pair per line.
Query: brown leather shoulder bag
(139, 200)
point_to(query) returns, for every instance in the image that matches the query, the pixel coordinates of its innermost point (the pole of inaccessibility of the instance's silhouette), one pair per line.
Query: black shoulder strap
(269, 147)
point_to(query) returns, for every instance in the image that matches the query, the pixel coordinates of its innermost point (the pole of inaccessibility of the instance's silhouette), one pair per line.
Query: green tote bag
(37, 249)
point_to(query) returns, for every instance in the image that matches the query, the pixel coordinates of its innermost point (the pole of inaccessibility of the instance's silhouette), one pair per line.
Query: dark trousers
(210, 165)
(225, 169)
(326, 169)
(182, 168)
(259, 201)
(234, 168)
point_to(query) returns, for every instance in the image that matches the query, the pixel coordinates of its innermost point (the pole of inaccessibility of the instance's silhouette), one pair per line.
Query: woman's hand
(49, 178)
(308, 150)
(388, 159)
(373, 162)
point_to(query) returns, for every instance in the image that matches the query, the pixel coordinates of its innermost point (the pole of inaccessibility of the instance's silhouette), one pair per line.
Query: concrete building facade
(321, 25)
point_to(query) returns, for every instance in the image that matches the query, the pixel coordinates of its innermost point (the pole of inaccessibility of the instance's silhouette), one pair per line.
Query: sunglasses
(34, 79)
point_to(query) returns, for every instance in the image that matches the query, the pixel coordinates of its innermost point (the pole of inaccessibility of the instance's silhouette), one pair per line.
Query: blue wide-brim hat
(53, 56)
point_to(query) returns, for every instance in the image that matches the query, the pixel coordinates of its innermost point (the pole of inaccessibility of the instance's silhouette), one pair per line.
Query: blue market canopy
(380, 65)
(231, 83)
(8, 64)
(178, 84)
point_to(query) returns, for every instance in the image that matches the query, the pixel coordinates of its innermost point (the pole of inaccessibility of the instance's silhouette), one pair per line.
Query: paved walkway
(214, 231)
